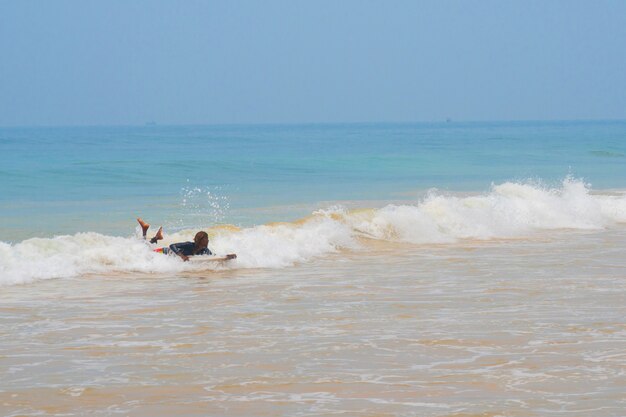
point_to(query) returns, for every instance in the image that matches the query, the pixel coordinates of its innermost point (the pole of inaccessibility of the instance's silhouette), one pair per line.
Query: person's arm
(205, 251)
(177, 248)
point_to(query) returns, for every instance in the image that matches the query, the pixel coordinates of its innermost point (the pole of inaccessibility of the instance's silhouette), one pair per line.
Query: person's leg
(158, 236)
(144, 226)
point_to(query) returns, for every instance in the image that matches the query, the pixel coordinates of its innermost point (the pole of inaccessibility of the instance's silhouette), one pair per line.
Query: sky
(129, 62)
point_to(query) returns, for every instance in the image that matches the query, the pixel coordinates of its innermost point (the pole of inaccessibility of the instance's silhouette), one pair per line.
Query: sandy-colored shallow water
(510, 328)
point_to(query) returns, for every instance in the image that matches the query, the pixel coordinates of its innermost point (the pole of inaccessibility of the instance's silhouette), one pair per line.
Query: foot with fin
(144, 226)
(158, 236)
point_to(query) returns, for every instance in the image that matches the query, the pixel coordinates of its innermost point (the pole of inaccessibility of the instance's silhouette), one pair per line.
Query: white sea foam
(508, 210)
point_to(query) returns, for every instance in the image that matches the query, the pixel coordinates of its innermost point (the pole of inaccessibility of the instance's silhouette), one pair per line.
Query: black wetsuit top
(186, 248)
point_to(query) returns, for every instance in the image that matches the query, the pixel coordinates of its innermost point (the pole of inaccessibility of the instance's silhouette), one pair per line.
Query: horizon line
(448, 121)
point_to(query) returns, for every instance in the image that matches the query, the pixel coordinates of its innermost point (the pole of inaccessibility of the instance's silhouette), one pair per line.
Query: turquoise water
(66, 180)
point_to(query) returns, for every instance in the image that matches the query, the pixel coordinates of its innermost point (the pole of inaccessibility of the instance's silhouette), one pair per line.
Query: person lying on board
(199, 246)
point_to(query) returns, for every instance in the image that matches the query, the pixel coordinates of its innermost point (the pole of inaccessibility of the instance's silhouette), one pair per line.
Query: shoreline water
(522, 327)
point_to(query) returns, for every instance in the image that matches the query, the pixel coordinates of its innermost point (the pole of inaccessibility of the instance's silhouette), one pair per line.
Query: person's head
(201, 240)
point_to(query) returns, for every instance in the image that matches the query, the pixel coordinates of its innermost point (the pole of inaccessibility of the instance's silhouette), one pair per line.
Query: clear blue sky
(203, 62)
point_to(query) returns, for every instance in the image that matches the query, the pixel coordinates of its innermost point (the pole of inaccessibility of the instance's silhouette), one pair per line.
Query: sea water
(67, 180)
(383, 269)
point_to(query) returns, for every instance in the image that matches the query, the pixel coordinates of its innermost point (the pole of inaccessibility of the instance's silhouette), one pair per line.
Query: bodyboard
(208, 258)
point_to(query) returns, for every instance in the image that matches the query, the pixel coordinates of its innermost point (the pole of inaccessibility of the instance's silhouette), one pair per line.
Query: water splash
(200, 206)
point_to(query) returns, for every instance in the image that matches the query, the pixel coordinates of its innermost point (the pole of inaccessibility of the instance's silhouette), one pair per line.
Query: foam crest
(279, 245)
(509, 210)
(83, 253)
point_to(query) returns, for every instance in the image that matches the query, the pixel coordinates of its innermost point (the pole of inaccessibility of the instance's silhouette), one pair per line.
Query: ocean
(431, 269)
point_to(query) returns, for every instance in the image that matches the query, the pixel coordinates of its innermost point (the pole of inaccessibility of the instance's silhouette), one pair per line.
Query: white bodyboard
(208, 258)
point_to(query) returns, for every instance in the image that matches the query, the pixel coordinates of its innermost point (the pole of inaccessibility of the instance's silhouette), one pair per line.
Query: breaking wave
(509, 210)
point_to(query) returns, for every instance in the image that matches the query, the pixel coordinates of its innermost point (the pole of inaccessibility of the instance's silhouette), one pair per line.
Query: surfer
(199, 246)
